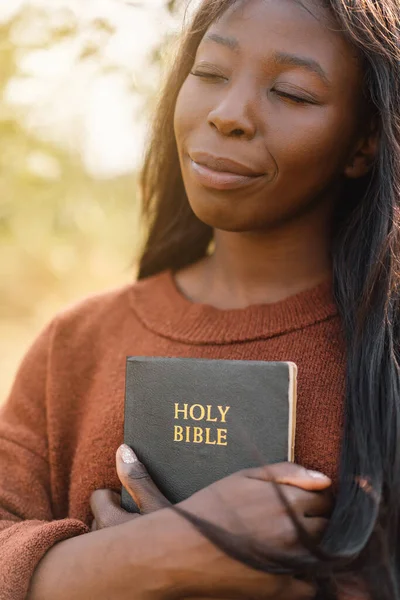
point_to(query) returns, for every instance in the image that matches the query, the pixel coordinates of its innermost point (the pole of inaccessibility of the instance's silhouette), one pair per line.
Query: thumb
(137, 481)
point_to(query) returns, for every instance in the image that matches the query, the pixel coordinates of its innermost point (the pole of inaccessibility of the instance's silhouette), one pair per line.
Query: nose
(235, 113)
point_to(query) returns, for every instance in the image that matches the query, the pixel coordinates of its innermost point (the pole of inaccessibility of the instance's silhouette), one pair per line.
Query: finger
(297, 589)
(137, 481)
(106, 509)
(291, 474)
(320, 504)
(315, 527)
(309, 504)
(289, 588)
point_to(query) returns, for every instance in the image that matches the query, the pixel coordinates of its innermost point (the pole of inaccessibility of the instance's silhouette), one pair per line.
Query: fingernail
(127, 454)
(317, 475)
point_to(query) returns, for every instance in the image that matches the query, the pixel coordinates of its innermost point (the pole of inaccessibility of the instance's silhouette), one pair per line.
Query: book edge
(292, 396)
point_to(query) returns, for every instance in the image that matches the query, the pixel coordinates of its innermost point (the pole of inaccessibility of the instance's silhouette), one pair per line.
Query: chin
(225, 218)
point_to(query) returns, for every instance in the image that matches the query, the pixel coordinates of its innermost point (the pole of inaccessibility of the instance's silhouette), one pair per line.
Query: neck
(261, 268)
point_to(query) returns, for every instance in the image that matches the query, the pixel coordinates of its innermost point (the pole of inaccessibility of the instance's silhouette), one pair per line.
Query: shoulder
(94, 326)
(108, 315)
(95, 312)
(81, 325)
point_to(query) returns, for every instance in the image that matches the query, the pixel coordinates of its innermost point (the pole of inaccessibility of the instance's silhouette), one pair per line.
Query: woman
(277, 139)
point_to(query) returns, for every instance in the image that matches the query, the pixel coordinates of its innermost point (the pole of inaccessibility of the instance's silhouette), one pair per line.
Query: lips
(224, 165)
(222, 173)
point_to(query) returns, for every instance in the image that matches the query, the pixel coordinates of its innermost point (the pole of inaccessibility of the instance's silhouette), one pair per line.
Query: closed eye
(295, 99)
(208, 75)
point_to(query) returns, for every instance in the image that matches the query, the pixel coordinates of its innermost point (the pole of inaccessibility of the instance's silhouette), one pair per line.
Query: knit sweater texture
(63, 420)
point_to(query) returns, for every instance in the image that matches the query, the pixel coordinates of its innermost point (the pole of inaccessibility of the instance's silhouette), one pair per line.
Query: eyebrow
(285, 59)
(229, 42)
(280, 58)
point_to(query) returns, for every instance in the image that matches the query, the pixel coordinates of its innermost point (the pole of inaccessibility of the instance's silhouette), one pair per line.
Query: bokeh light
(77, 81)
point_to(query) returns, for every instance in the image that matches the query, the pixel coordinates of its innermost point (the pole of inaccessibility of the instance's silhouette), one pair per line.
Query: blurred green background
(77, 80)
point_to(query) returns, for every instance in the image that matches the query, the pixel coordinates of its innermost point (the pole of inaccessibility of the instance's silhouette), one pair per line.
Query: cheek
(307, 140)
(183, 116)
(190, 111)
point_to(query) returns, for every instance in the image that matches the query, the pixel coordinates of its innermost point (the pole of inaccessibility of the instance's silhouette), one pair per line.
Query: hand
(247, 505)
(106, 504)
(228, 499)
(243, 502)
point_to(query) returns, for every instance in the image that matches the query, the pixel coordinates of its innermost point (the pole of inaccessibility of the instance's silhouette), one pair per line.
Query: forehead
(302, 27)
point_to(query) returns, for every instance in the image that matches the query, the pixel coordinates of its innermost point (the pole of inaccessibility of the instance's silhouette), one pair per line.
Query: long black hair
(364, 532)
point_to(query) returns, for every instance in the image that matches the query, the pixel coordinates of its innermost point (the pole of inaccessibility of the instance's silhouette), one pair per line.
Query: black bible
(193, 421)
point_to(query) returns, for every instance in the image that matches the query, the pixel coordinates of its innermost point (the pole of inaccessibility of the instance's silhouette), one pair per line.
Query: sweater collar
(163, 309)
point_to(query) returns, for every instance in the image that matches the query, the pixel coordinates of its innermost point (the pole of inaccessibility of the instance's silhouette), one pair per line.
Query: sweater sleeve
(27, 528)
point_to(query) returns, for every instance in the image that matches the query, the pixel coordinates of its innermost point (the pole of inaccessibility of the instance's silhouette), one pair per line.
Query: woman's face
(268, 119)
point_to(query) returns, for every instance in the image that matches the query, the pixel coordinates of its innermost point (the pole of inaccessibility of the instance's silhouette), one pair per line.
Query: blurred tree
(63, 232)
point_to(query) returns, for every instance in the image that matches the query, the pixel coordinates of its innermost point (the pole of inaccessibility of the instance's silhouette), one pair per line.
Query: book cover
(194, 421)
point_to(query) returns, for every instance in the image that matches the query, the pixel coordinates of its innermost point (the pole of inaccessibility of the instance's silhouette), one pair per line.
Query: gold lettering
(197, 435)
(208, 441)
(223, 413)
(202, 412)
(221, 437)
(183, 410)
(209, 419)
(178, 433)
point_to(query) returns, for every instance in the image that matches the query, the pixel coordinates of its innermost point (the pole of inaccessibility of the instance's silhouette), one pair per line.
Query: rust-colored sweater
(63, 420)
